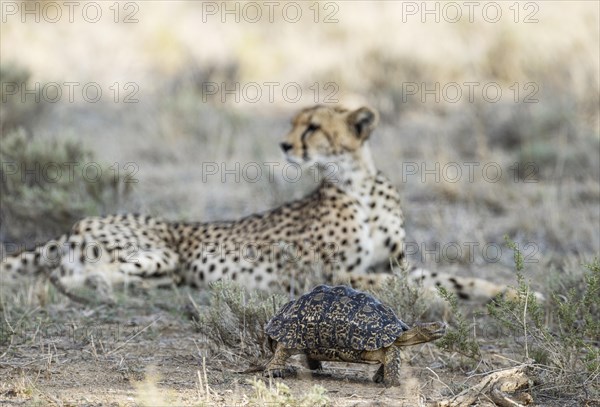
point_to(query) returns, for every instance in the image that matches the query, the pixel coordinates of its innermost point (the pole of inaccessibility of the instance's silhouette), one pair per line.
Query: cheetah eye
(309, 130)
(313, 127)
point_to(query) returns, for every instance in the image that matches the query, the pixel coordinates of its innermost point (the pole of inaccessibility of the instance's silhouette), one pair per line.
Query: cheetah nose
(285, 147)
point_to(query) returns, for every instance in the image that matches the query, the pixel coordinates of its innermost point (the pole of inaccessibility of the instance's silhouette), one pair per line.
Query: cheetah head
(321, 134)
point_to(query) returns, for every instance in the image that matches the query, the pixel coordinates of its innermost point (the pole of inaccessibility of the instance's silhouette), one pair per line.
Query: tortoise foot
(378, 376)
(280, 372)
(388, 380)
(314, 364)
(391, 382)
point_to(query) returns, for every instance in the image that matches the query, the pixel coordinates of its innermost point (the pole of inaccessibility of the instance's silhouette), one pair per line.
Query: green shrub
(459, 337)
(566, 351)
(47, 185)
(16, 109)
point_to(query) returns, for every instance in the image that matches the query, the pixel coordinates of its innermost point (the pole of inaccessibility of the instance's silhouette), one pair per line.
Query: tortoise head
(420, 333)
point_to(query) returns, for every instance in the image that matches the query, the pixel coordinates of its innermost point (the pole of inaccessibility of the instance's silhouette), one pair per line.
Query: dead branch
(497, 387)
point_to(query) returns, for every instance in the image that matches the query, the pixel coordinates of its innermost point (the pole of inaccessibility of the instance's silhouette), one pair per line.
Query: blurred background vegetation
(152, 152)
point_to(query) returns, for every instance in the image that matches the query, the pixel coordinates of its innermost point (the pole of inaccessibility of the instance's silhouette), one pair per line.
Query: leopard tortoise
(343, 324)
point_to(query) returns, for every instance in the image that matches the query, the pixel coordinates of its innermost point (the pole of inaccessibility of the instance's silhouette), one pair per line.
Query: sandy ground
(144, 352)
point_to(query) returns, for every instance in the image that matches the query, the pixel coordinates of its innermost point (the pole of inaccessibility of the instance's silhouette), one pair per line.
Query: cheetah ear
(363, 121)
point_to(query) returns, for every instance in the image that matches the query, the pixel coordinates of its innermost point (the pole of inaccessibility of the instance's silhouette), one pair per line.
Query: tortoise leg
(378, 376)
(276, 366)
(313, 364)
(391, 367)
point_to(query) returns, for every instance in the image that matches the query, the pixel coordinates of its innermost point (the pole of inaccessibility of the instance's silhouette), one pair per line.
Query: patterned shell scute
(335, 318)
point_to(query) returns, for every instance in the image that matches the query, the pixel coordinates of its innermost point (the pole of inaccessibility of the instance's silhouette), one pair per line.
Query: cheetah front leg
(466, 288)
(95, 282)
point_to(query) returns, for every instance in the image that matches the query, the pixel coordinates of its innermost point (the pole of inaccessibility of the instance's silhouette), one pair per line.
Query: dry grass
(234, 322)
(172, 132)
(278, 394)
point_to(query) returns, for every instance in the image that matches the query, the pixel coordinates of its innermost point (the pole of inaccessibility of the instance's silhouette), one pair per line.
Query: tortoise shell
(335, 318)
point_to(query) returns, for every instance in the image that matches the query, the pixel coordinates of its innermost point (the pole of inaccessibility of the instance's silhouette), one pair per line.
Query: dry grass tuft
(279, 394)
(410, 301)
(148, 392)
(235, 319)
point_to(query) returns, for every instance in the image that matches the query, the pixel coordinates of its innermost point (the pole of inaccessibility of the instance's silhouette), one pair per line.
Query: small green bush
(17, 109)
(47, 185)
(566, 352)
(459, 338)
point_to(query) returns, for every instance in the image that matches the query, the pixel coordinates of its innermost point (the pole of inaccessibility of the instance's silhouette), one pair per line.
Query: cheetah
(350, 227)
